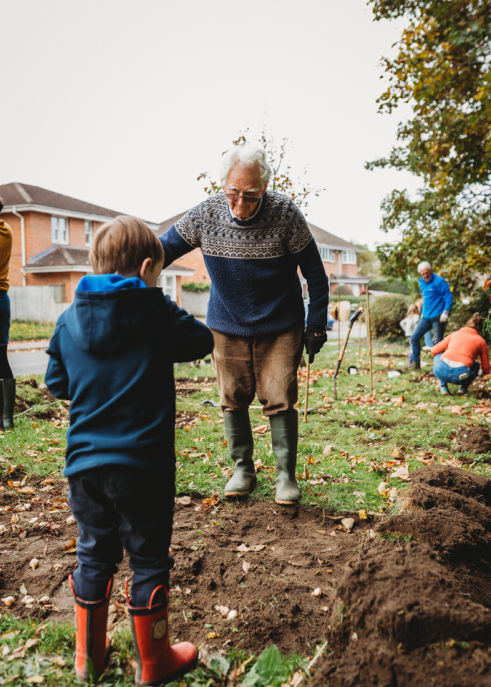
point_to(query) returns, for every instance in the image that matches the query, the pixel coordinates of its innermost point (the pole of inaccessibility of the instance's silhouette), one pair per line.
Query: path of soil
(412, 609)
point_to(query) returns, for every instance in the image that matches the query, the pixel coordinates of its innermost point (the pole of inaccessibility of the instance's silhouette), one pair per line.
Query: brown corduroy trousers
(264, 365)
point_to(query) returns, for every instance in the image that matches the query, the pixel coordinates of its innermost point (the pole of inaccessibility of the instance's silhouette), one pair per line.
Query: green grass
(347, 449)
(43, 653)
(21, 330)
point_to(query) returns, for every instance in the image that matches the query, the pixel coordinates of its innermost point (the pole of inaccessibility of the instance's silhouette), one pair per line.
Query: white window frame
(88, 232)
(168, 284)
(327, 254)
(59, 230)
(348, 257)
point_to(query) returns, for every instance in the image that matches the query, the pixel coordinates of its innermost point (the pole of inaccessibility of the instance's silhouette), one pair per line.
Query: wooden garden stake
(306, 392)
(369, 336)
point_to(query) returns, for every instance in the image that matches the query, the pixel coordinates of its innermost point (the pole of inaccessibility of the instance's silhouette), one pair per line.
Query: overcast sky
(123, 103)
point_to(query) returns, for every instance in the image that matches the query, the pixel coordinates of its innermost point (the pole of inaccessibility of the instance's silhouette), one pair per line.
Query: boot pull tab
(154, 594)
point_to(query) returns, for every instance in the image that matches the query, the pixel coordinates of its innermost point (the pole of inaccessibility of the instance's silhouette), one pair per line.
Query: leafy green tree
(298, 188)
(368, 262)
(441, 69)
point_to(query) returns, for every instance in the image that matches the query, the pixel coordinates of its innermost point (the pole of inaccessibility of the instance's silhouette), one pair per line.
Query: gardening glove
(444, 316)
(315, 338)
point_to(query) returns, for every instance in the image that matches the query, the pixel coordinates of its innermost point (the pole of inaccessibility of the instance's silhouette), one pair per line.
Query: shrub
(385, 313)
(461, 312)
(195, 286)
(390, 285)
(343, 291)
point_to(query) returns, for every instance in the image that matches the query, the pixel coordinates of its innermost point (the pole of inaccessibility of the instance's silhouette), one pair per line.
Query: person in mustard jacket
(455, 356)
(7, 381)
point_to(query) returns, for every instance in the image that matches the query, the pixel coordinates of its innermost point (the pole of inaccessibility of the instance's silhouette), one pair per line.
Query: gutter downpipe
(22, 242)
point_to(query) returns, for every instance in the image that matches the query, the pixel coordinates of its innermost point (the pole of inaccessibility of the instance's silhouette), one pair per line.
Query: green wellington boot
(8, 398)
(241, 446)
(284, 437)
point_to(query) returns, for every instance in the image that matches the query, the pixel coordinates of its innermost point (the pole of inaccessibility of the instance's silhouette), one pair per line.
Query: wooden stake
(369, 336)
(306, 391)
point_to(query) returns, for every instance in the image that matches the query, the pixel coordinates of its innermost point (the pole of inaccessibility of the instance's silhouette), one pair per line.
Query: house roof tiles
(69, 256)
(17, 193)
(56, 256)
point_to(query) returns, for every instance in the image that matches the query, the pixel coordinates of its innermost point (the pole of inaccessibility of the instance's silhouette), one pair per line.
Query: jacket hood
(111, 312)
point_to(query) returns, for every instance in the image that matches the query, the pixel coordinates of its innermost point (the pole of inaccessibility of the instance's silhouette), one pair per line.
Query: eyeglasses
(246, 197)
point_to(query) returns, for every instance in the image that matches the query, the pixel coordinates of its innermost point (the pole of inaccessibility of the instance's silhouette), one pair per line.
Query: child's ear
(146, 265)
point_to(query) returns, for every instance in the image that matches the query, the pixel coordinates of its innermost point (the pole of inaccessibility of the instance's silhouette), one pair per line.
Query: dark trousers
(425, 325)
(120, 507)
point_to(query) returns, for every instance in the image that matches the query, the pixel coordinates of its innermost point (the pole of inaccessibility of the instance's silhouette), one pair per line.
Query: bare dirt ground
(402, 600)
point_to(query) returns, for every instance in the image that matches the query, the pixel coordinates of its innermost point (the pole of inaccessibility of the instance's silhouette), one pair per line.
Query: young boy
(111, 355)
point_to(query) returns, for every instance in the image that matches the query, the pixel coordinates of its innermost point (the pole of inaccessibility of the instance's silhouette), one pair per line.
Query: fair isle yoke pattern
(278, 229)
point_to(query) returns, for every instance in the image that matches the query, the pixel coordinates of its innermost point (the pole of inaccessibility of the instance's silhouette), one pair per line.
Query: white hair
(245, 155)
(424, 266)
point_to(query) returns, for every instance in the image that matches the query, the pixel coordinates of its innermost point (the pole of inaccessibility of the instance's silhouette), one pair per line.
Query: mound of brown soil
(473, 438)
(415, 609)
(407, 604)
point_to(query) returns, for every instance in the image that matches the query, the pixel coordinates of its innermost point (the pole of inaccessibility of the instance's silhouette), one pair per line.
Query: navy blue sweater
(253, 265)
(111, 355)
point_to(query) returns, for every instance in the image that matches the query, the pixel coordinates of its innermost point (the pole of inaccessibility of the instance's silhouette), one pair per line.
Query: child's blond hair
(413, 309)
(122, 245)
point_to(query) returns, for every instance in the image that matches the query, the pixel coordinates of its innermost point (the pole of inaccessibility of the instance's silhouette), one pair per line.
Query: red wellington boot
(92, 643)
(158, 662)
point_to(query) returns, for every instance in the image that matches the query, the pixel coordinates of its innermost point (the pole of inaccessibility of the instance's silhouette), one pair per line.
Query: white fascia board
(339, 248)
(57, 268)
(349, 280)
(29, 207)
(178, 272)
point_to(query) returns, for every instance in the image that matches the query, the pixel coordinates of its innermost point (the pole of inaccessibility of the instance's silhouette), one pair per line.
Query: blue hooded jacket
(111, 355)
(437, 296)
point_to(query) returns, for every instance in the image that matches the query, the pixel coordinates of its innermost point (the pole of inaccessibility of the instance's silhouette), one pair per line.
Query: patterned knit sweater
(253, 265)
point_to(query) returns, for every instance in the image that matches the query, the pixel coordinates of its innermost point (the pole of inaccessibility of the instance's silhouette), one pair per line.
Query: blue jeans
(428, 339)
(425, 325)
(4, 318)
(120, 507)
(461, 375)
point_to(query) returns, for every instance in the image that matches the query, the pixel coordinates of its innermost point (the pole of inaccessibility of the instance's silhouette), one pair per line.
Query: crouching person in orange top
(455, 356)
(111, 355)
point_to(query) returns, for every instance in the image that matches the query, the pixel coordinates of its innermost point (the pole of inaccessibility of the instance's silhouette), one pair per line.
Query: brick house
(52, 234)
(338, 257)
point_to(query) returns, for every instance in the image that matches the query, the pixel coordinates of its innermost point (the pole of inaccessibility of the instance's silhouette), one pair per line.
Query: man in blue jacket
(437, 302)
(112, 356)
(253, 242)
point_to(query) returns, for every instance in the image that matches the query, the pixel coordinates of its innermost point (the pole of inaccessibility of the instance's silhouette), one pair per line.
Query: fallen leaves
(401, 472)
(184, 500)
(261, 429)
(210, 502)
(71, 547)
(242, 548)
(348, 523)
(226, 612)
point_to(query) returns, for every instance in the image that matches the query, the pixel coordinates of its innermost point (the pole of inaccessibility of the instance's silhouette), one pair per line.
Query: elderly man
(253, 241)
(437, 302)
